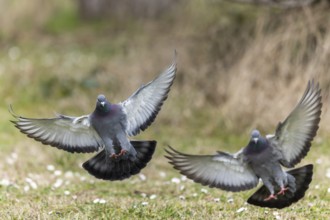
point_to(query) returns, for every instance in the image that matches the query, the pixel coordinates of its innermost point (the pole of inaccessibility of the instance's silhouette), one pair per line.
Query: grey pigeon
(262, 159)
(107, 129)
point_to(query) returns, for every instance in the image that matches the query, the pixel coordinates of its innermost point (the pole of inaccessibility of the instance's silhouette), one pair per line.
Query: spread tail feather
(303, 177)
(103, 167)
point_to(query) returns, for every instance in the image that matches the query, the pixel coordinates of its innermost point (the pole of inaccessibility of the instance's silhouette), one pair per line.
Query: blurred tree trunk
(95, 9)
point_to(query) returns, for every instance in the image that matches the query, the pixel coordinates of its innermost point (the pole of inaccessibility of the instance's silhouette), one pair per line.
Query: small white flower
(74, 197)
(68, 174)
(82, 178)
(162, 174)
(317, 186)
(142, 177)
(143, 195)
(216, 199)
(57, 173)
(194, 194)
(204, 190)
(328, 173)
(182, 187)
(66, 192)
(5, 182)
(31, 183)
(26, 188)
(277, 215)
(11, 160)
(102, 201)
(329, 190)
(58, 183)
(14, 155)
(318, 161)
(50, 167)
(175, 180)
(182, 197)
(144, 203)
(230, 200)
(97, 200)
(153, 196)
(183, 178)
(242, 209)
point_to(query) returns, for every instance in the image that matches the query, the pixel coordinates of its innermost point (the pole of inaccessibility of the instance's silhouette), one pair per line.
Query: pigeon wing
(142, 107)
(293, 137)
(223, 170)
(73, 134)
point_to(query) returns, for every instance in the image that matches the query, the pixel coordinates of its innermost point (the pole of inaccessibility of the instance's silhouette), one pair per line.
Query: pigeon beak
(255, 140)
(102, 103)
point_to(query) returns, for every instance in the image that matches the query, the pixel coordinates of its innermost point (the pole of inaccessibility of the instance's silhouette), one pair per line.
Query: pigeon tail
(106, 168)
(303, 177)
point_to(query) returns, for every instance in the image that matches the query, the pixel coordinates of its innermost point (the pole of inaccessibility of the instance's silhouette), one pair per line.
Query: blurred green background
(240, 66)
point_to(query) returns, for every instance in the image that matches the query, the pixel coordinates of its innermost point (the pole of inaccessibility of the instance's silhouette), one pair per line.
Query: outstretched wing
(224, 171)
(293, 137)
(142, 107)
(73, 134)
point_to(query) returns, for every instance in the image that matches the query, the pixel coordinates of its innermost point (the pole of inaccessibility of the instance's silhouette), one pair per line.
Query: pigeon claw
(113, 156)
(272, 196)
(122, 152)
(118, 156)
(282, 191)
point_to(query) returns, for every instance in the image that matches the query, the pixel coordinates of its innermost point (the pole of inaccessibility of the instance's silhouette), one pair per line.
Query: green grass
(76, 197)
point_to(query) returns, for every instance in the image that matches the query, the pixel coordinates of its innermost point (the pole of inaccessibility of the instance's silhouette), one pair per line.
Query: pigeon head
(102, 104)
(257, 143)
(255, 135)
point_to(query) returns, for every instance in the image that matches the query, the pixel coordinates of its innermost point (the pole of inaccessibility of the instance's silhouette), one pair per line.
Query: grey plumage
(107, 129)
(262, 158)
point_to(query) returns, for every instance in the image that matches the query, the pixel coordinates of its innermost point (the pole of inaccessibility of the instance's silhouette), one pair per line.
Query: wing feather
(142, 107)
(293, 137)
(222, 170)
(73, 134)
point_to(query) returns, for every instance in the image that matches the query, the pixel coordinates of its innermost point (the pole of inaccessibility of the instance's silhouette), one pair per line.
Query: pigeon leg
(270, 197)
(109, 149)
(127, 150)
(270, 187)
(282, 191)
(281, 180)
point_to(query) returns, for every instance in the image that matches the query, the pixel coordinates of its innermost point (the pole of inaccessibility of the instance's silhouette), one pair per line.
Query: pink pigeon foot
(272, 196)
(113, 156)
(122, 152)
(282, 191)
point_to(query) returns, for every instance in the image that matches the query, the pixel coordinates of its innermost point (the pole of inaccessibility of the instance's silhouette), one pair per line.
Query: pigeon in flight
(262, 159)
(107, 130)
